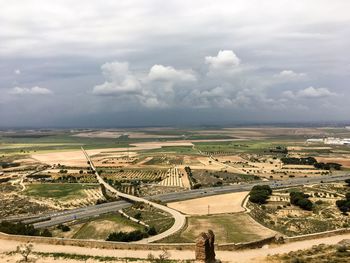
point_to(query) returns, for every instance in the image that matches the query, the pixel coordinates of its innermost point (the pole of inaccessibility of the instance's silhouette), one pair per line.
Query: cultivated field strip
(173, 178)
(144, 175)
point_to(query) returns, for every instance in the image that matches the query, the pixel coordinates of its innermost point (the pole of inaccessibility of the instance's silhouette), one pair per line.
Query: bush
(138, 216)
(127, 236)
(22, 229)
(341, 249)
(344, 204)
(299, 161)
(300, 199)
(347, 181)
(152, 231)
(45, 233)
(64, 228)
(259, 194)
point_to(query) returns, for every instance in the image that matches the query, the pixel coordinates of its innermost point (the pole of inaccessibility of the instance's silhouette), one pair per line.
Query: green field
(102, 226)
(249, 146)
(228, 228)
(153, 217)
(172, 150)
(58, 191)
(61, 142)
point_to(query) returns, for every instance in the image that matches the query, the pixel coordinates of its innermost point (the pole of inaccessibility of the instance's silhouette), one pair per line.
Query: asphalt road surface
(180, 219)
(52, 219)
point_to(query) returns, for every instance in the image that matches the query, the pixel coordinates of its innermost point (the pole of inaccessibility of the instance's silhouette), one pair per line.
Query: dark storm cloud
(173, 62)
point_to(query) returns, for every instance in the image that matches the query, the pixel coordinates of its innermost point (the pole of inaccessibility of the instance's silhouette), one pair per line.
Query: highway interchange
(52, 219)
(56, 218)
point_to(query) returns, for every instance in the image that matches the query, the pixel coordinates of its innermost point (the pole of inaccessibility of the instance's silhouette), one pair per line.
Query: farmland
(45, 171)
(279, 214)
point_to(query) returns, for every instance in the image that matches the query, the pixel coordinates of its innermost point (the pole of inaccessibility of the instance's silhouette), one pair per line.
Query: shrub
(344, 204)
(127, 236)
(300, 199)
(138, 216)
(152, 231)
(64, 228)
(259, 194)
(341, 249)
(347, 181)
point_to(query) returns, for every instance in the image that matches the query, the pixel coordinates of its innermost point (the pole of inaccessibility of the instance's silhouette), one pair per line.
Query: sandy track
(251, 255)
(218, 204)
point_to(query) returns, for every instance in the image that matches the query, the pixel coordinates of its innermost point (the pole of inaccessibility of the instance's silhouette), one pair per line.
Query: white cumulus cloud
(119, 80)
(30, 91)
(309, 93)
(168, 73)
(312, 92)
(290, 75)
(226, 60)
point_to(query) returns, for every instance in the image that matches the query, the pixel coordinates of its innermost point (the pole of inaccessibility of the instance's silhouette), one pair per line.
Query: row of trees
(8, 165)
(302, 200)
(328, 166)
(259, 194)
(136, 235)
(22, 229)
(299, 161)
(311, 161)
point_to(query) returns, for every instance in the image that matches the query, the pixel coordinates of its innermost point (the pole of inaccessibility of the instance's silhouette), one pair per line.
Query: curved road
(51, 219)
(180, 219)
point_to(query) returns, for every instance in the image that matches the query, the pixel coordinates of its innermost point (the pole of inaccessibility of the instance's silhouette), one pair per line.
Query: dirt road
(251, 255)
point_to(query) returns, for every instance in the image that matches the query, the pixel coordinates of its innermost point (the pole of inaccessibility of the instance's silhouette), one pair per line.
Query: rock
(345, 242)
(205, 247)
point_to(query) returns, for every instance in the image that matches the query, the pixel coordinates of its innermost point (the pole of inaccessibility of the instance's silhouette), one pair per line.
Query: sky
(74, 63)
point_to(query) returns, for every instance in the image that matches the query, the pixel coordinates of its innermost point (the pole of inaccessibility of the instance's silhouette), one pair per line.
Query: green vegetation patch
(249, 146)
(154, 217)
(58, 191)
(228, 228)
(102, 226)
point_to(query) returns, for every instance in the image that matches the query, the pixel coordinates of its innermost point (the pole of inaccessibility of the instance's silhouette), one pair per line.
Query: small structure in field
(205, 248)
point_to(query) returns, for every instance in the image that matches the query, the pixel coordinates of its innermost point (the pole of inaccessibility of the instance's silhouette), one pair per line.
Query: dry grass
(218, 204)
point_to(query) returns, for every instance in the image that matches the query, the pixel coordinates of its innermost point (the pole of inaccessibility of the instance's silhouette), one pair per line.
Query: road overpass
(180, 219)
(51, 219)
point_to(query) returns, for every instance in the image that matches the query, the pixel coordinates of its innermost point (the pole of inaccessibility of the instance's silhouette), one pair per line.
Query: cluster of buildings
(330, 141)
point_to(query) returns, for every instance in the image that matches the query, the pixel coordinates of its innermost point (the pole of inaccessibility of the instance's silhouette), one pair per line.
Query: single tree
(25, 250)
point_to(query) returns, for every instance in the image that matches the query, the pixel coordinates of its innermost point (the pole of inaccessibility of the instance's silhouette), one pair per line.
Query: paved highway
(52, 219)
(180, 219)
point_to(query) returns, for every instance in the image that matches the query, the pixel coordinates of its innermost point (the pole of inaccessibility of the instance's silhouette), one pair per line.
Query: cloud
(290, 75)
(168, 87)
(156, 89)
(226, 61)
(119, 80)
(17, 72)
(168, 73)
(30, 91)
(308, 93)
(312, 92)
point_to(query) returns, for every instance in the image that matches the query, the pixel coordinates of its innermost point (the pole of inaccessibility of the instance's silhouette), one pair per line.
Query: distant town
(330, 141)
